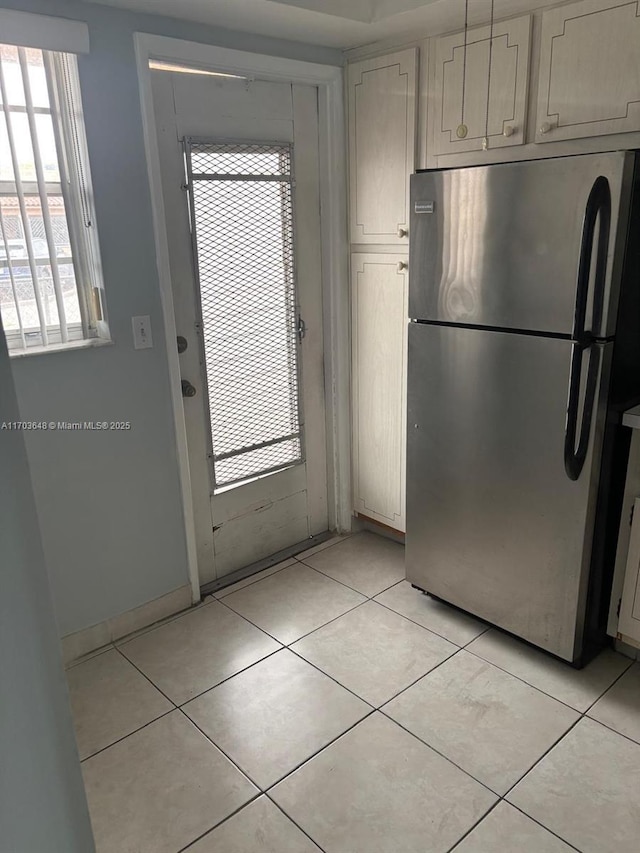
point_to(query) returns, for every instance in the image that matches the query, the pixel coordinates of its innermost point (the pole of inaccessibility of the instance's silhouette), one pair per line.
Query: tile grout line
(476, 824)
(371, 598)
(583, 715)
(222, 751)
(500, 797)
(181, 705)
(293, 651)
(609, 728)
(413, 683)
(535, 820)
(542, 757)
(294, 822)
(317, 752)
(224, 820)
(252, 579)
(539, 689)
(352, 588)
(124, 737)
(420, 625)
(264, 791)
(606, 690)
(297, 639)
(331, 678)
(441, 754)
(147, 678)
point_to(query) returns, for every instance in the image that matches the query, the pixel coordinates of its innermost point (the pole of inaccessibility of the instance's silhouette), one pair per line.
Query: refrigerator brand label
(424, 206)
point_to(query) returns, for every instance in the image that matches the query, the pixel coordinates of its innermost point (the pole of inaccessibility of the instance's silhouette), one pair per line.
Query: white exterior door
(240, 185)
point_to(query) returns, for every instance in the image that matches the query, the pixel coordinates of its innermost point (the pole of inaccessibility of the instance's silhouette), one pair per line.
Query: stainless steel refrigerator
(524, 347)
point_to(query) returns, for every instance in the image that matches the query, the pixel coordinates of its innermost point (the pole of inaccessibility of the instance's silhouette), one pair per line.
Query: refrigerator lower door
(495, 525)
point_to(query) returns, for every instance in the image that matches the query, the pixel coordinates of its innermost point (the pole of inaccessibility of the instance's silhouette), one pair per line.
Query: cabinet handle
(402, 266)
(508, 130)
(403, 232)
(545, 127)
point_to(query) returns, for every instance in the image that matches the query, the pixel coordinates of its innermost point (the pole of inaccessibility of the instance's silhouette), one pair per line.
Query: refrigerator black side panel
(494, 525)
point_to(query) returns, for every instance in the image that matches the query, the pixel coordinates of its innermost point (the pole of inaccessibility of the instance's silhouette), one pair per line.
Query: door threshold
(266, 563)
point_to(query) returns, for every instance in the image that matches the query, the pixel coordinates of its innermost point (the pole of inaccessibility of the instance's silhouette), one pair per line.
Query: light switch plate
(142, 337)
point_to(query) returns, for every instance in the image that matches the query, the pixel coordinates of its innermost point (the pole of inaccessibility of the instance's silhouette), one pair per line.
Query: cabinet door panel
(380, 306)
(463, 88)
(589, 70)
(382, 129)
(629, 622)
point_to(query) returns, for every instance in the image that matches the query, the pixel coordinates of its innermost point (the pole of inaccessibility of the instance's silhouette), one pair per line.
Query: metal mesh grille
(242, 220)
(228, 160)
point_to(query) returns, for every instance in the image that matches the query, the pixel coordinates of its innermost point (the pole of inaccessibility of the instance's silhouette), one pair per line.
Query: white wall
(109, 503)
(42, 802)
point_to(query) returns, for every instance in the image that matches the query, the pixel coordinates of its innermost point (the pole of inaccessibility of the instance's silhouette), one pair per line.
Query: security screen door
(240, 184)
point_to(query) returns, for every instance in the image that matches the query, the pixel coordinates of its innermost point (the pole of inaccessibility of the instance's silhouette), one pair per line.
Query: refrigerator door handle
(574, 457)
(598, 205)
(598, 209)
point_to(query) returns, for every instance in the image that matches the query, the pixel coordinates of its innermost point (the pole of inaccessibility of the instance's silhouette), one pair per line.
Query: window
(50, 278)
(243, 236)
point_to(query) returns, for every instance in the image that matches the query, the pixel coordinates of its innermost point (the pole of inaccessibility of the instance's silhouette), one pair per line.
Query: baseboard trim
(89, 639)
(627, 646)
(364, 522)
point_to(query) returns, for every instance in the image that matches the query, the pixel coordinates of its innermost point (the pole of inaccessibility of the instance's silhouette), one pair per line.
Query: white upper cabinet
(380, 288)
(470, 103)
(589, 70)
(382, 130)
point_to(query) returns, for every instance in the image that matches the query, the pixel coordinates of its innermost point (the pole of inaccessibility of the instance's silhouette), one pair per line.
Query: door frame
(334, 252)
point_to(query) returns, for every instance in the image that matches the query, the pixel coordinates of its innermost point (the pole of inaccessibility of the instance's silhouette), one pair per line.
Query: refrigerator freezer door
(500, 245)
(494, 523)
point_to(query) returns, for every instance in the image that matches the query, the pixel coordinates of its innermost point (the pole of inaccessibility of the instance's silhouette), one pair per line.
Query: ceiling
(340, 24)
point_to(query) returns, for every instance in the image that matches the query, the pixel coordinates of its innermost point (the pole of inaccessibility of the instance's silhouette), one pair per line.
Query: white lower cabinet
(629, 619)
(379, 316)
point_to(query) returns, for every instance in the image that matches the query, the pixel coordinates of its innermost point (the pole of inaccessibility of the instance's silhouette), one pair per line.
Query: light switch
(142, 338)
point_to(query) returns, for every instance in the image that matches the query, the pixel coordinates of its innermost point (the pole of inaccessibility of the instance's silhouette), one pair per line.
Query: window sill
(87, 343)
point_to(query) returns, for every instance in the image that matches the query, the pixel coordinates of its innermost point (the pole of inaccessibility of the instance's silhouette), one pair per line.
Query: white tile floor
(325, 705)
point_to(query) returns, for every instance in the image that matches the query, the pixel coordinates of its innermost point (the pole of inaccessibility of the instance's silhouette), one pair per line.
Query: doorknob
(188, 390)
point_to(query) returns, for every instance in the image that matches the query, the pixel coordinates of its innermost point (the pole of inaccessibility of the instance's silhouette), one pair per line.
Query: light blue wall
(109, 503)
(42, 799)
